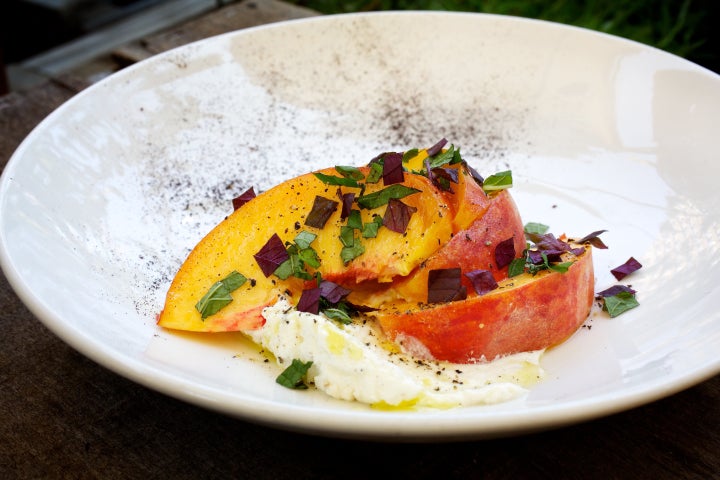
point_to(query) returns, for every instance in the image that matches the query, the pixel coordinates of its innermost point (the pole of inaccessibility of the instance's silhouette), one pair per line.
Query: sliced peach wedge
(524, 313)
(286, 211)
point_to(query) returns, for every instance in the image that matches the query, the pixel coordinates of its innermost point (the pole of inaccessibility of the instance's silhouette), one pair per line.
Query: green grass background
(682, 27)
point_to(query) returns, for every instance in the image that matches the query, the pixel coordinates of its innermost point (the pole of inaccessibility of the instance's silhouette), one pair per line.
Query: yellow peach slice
(283, 210)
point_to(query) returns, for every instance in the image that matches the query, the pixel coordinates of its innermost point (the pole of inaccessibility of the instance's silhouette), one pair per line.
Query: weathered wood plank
(249, 13)
(228, 18)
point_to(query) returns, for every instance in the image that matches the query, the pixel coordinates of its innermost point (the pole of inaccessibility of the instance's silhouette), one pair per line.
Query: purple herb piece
(332, 292)
(505, 252)
(271, 255)
(243, 198)
(475, 175)
(614, 290)
(321, 211)
(549, 244)
(440, 176)
(347, 201)
(449, 174)
(594, 239)
(482, 280)
(626, 268)
(437, 148)
(309, 301)
(445, 285)
(397, 215)
(392, 168)
(360, 308)
(553, 256)
(535, 257)
(577, 251)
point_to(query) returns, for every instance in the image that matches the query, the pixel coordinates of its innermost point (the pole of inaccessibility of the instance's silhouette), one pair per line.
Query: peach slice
(525, 313)
(282, 210)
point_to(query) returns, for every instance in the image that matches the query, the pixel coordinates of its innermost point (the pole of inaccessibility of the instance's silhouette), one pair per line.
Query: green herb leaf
(382, 197)
(409, 155)
(289, 267)
(304, 239)
(516, 267)
(620, 303)
(536, 228)
(347, 236)
(294, 375)
(443, 158)
(218, 296)
(370, 229)
(350, 172)
(499, 181)
(300, 254)
(457, 158)
(338, 315)
(310, 257)
(533, 269)
(333, 180)
(354, 220)
(351, 252)
(375, 174)
(560, 267)
(285, 269)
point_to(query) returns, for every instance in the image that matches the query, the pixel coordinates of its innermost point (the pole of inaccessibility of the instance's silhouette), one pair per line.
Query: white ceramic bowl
(103, 200)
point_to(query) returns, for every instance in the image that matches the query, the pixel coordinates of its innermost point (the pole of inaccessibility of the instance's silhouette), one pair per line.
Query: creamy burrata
(355, 362)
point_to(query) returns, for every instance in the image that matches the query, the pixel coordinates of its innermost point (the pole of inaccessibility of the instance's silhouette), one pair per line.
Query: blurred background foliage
(682, 27)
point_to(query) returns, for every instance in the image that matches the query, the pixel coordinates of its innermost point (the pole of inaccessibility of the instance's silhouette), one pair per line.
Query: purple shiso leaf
(614, 290)
(505, 252)
(360, 308)
(347, 201)
(271, 255)
(482, 280)
(243, 198)
(594, 239)
(449, 174)
(475, 175)
(437, 148)
(548, 243)
(535, 257)
(309, 301)
(436, 174)
(428, 169)
(626, 268)
(552, 256)
(577, 251)
(397, 215)
(445, 285)
(332, 292)
(321, 211)
(392, 168)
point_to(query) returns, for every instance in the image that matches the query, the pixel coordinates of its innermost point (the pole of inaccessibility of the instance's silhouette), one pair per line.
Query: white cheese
(354, 362)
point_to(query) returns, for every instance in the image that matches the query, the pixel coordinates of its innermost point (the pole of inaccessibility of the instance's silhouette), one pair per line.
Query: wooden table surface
(63, 416)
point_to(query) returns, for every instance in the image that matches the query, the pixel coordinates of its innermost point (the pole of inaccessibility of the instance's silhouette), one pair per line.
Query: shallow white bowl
(103, 200)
